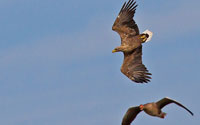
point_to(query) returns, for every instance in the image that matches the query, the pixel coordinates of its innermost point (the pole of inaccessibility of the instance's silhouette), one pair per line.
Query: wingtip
(169, 98)
(183, 106)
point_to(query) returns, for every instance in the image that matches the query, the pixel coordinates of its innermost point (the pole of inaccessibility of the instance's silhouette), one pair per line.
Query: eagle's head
(120, 49)
(117, 49)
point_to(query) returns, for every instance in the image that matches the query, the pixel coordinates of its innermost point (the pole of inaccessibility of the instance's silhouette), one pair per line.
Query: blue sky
(57, 68)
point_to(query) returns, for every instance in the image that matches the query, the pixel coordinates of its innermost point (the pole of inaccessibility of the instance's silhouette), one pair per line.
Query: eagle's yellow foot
(143, 37)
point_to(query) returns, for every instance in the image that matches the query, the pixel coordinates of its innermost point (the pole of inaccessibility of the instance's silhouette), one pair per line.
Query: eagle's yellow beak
(113, 51)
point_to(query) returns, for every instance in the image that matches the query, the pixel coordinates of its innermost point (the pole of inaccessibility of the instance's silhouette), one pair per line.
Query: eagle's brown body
(131, 44)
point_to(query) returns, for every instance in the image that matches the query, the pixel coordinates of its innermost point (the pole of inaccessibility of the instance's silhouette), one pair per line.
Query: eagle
(131, 44)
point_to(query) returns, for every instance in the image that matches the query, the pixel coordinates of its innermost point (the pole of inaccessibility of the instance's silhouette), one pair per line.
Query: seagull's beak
(141, 107)
(113, 51)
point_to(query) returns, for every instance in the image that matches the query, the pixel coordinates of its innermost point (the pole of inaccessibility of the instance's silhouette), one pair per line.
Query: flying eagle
(153, 109)
(131, 44)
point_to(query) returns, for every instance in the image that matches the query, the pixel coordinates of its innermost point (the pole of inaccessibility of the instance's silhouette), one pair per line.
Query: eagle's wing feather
(124, 24)
(165, 101)
(133, 68)
(130, 115)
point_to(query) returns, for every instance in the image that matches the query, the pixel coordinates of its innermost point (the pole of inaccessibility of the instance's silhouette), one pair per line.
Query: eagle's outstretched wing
(133, 68)
(124, 24)
(130, 115)
(165, 101)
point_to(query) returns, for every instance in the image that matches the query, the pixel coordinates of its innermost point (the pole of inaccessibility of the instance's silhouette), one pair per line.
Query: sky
(57, 65)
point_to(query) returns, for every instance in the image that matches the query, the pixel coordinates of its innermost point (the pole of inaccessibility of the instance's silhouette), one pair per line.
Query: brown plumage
(153, 109)
(131, 44)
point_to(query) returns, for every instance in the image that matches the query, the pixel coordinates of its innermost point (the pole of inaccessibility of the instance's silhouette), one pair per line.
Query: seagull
(152, 109)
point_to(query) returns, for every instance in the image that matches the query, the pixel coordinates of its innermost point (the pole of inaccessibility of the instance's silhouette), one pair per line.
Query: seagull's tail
(149, 33)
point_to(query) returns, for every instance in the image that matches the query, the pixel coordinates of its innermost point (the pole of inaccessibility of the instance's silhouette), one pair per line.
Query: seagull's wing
(165, 101)
(130, 115)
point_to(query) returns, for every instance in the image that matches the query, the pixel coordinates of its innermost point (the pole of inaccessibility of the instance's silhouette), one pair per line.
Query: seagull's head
(141, 107)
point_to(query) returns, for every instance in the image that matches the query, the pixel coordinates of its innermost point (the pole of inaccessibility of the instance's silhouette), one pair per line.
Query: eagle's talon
(143, 36)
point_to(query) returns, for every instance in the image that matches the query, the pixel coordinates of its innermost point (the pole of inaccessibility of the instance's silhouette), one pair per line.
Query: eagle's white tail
(149, 33)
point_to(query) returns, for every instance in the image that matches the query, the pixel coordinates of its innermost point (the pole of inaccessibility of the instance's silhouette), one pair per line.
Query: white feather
(149, 33)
